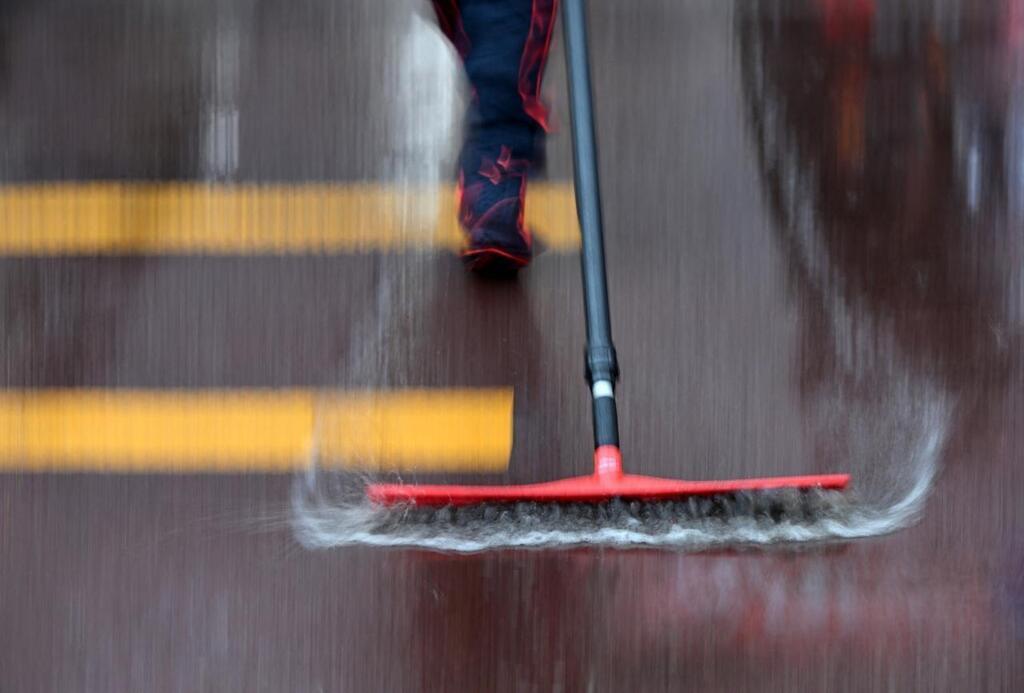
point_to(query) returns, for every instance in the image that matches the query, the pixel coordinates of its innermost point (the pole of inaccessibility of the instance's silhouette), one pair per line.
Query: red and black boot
(491, 201)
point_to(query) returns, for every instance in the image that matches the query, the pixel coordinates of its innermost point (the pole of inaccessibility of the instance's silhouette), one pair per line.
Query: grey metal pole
(602, 365)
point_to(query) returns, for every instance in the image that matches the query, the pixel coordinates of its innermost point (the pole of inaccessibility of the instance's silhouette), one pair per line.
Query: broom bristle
(771, 507)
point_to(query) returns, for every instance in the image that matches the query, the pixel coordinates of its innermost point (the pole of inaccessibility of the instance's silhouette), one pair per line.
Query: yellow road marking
(254, 430)
(193, 218)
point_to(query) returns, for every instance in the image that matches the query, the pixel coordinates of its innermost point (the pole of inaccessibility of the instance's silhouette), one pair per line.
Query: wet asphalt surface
(815, 220)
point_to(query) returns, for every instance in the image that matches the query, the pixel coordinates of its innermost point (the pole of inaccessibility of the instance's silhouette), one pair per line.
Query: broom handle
(602, 366)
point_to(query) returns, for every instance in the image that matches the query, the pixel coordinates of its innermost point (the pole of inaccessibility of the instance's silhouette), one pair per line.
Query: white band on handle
(603, 388)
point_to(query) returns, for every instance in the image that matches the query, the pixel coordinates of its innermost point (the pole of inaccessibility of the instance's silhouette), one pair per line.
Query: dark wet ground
(815, 218)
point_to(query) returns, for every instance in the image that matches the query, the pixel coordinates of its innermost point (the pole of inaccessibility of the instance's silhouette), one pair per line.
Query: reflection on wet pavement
(815, 214)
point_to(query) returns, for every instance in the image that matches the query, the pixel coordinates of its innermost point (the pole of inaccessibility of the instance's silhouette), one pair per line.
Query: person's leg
(504, 46)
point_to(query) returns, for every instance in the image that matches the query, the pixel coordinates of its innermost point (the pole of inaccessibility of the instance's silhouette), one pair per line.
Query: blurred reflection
(793, 605)
(426, 118)
(225, 50)
(888, 140)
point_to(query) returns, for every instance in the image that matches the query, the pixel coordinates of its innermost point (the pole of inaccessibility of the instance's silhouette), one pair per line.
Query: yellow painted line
(194, 218)
(254, 430)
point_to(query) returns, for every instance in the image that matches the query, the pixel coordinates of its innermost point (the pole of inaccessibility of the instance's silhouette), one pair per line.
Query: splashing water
(330, 511)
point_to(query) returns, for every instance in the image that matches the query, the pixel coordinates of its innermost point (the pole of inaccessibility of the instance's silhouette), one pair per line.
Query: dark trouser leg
(504, 46)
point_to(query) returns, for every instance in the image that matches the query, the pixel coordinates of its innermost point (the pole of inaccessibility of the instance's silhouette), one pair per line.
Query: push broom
(608, 495)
